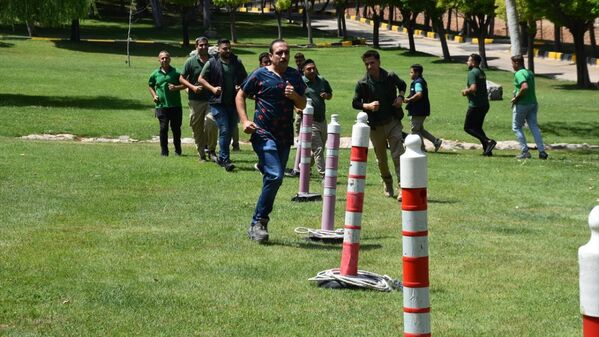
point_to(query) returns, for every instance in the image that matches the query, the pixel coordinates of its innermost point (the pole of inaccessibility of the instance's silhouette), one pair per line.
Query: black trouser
(473, 124)
(174, 116)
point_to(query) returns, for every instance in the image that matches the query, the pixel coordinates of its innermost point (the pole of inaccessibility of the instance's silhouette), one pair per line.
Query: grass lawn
(114, 240)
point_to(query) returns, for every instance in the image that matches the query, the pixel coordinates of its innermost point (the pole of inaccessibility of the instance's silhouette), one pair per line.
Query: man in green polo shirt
(164, 86)
(478, 104)
(318, 90)
(380, 94)
(525, 108)
(197, 97)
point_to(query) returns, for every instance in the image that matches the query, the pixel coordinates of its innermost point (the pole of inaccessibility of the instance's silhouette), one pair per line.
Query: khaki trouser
(319, 141)
(197, 114)
(418, 129)
(210, 132)
(380, 136)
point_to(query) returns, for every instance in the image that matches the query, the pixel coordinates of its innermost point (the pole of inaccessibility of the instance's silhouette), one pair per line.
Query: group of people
(219, 86)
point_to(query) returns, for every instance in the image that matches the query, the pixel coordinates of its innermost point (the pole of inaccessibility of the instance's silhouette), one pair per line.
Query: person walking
(165, 88)
(197, 97)
(380, 94)
(318, 90)
(525, 108)
(222, 75)
(419, 106)
(478, 104)
(277, 89)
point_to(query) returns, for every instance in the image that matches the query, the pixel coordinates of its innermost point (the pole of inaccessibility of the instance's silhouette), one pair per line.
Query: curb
(419, 32)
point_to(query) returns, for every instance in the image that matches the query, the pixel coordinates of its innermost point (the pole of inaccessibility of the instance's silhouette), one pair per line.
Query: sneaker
(543, 155)
(213, 156)
(258, 232)
(490, 146)
(399, 196)
(202, 158)
(236, 148)
(229, 167)
(388, 189)
(523, 155)
(164, 154)
(438, 144)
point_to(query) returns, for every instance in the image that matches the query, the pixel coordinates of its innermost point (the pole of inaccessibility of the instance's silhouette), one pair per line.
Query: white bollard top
(309, 109)
(413, 146)
(594, 225)
(588, 261)
(360, 131)
(334, 126)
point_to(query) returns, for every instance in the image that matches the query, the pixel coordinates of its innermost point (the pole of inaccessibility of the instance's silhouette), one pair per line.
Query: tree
(435, 10)
(231, 7)
(340, 6)
(511, 15)
(307, 11)
(187, 8)
(157, 13)
(576, 16)
(478, 13)
(280, 6)
(409, 11)
(49, 13)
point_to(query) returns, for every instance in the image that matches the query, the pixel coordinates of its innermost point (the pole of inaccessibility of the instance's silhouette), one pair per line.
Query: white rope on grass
(320, 233)
(364, 279)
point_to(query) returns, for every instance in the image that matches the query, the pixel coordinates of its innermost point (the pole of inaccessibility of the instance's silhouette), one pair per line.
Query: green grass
(142, 245)
(114, 240)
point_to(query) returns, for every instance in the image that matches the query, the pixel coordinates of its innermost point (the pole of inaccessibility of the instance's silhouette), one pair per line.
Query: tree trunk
(30, 28)
(185, 14)
(307, 9)
(343, 24)
(391, 11)
(512, 24)
(593, 40)
(232, 25)
(582, 72)
(532, 32)
(525, 33)
(438, 27)
(206, 17)
(557, 37)
(449, 11)
(157, 13)
(411, 25)
(140, 8)
(491, 32)
(324, 7)
(279, 25)
(75, 31)
(375, 28)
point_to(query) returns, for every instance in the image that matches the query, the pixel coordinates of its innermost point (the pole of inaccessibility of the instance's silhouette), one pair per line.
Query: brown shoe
(388, 189)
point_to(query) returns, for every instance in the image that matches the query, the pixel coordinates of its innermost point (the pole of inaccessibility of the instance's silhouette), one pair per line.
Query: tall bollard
(355, 195)
(348, 276)
(416, 302)
(330, 176)
(588, 261)
(306, 155)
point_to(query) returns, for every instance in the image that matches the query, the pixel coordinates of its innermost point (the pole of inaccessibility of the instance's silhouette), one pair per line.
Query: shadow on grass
(84, 102)
(586, 130)
(510, 230)
(572, 86)
(6, 45)
(439, 201)
(460, 59)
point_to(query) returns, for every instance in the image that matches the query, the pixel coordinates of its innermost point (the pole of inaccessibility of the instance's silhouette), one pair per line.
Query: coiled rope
(321, 234)
(364, 279)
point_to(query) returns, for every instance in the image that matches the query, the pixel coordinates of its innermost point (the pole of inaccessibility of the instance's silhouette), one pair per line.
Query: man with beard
(277, 89)
(222, 75)
(197, 97)
(478, 104)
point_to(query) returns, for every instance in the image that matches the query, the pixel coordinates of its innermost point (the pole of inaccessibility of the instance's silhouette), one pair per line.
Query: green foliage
(45, 12)
(282, 5)
(230, 5)
(567, 13)
(476, 7)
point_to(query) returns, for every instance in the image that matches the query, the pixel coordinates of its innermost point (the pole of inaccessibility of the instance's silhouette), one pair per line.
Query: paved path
(498, 54)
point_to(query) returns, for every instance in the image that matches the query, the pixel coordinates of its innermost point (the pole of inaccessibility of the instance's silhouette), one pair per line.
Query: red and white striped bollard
(356, 182)
(414, 181)
(588, 261)
(330, 176)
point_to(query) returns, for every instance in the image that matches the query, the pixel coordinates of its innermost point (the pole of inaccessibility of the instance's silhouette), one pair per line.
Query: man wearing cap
(197, 97)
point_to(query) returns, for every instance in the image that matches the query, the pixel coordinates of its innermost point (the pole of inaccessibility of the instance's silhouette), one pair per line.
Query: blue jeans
(226, 119)
(528, 113)
(272, 158)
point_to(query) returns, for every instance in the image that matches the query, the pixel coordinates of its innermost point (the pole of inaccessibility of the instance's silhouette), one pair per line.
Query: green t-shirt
(529, 96)
(313, 91)
(228, 87)
(191, 72)
(159, 81)
(480, 99)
